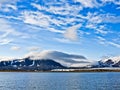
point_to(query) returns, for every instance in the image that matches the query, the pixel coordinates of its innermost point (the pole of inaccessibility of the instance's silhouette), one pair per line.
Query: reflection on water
(59, 81)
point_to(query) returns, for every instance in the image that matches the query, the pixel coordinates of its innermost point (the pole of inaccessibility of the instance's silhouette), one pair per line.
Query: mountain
(49, 60)
(65, 59)
(110, 62)
(46, 60)
(28, 64)
(32, 64)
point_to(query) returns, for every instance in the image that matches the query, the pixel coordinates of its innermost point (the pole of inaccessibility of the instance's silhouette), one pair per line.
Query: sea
(59, 81)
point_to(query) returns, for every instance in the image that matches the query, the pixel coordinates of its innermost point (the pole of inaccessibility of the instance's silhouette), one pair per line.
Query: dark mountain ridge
(27, 64)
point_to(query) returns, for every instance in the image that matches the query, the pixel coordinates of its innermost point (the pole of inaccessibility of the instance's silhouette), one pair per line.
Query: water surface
(59, 81)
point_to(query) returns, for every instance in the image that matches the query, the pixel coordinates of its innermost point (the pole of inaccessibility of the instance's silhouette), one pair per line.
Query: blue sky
(86, 27)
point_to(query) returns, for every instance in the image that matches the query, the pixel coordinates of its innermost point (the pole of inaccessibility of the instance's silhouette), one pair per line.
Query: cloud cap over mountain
(70, 60)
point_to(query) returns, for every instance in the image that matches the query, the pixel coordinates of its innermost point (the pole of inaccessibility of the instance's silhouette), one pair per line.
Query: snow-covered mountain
(27, 64)
(65, 59)
(48, 60)
(45, 60)
(110, 62)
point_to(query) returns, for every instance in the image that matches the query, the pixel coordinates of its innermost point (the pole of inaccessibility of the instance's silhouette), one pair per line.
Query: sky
(84, 27)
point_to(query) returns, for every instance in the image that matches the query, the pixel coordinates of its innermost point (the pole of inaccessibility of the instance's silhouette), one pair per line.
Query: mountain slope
(110, 62)
(28, 64)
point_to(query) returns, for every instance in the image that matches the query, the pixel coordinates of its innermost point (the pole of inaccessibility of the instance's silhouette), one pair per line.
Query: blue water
(59, 81)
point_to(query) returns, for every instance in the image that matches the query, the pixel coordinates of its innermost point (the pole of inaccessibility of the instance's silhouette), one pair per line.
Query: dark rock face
(30, 65)
(109, 63)
(117, 64)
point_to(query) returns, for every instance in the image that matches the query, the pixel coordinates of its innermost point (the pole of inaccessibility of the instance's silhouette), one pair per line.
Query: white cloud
(71, 32)
(67, 15)
(114, 44)
(11, 6)
(15, 48)
(94, 19)
(117, 2)
(68, 9)
(63, 58)
(35, 18)
(38, 6)
(10, 17)
(8, 5)
(90, 25)
(118, 8)
(101, 31)
(94, 22)
(55, 30)
(41, 20)
(71, 11)
(105, 42)
(45, 21)
(88, 3)
(101, 38)
(111, 19)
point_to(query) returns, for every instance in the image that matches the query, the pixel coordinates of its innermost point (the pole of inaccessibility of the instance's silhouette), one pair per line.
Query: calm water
(59, 81)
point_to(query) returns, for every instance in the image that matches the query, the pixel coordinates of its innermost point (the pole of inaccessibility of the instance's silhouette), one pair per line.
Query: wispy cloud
(10, 33)
(8, 5)
(111, 19)
(5, 41)
(35, 18)
(41, 20)
(7, 29)
(49, 23)
(114, 44)
(117, 2)
(60, 23)
(105, 42)
(90, 3)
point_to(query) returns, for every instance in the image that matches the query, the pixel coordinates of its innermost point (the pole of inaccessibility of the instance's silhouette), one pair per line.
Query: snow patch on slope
(114, 59)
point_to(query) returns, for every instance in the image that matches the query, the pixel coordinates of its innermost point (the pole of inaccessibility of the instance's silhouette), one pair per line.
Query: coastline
(75, 70)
